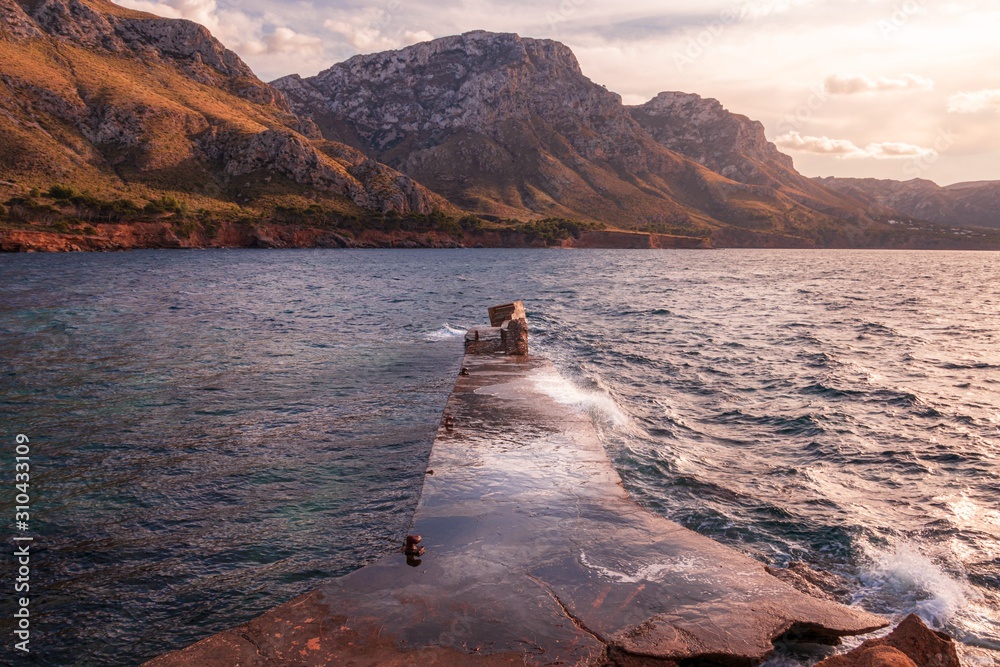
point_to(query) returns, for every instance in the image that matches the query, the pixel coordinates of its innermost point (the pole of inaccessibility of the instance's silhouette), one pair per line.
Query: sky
(894, 89)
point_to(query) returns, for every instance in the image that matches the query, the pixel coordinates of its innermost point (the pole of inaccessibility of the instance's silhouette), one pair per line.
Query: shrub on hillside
(554, 230)
(165, 204)
(61, 192)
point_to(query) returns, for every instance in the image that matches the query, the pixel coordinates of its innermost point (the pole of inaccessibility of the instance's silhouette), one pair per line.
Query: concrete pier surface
(534, 555)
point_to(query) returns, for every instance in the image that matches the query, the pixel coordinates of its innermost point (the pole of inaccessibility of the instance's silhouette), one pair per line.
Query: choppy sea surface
(213, 433)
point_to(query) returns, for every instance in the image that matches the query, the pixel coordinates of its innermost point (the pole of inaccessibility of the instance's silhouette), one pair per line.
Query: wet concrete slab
(534, 555)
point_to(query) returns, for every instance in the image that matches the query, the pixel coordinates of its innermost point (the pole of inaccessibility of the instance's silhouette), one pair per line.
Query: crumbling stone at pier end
(507, 333)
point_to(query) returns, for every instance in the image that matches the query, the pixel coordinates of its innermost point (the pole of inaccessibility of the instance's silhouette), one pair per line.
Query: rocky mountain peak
(672, 101)
(703, 130)
(101, 25)
(474, 81)
(478, 50)
(74, 21)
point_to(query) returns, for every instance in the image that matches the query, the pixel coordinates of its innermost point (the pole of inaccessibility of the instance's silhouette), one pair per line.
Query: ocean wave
(806, 424)
(823, 389)
(903, 579)
(446, 332)
(598, 402)
(877, 328)
(971, 365)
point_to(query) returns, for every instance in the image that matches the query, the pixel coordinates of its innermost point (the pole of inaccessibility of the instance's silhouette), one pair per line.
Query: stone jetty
(533, 554)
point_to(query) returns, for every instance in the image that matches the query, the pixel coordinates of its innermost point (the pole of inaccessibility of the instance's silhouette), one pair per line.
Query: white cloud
(204, 12)
(980, 100)
(859, 83)
(372, 30)
(363, 32)
(891, 150)
(284, 40)
(847, 149)
(418, 36)
(246, 34)
(820, 145)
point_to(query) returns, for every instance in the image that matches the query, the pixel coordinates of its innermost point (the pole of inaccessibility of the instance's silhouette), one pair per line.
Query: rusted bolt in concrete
(465, 371)
(449, 422)
(412, 546)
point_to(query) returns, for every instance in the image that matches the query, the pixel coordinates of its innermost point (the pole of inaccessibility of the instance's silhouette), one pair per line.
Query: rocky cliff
(703, 130)
(510, 126)
(115, 101)
(735, 147)
(975, 204)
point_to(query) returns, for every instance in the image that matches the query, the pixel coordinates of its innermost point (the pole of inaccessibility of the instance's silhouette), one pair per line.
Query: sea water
(216, 432)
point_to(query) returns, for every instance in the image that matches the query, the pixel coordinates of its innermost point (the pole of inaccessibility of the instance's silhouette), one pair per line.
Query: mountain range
(124, 129)
(974, 204)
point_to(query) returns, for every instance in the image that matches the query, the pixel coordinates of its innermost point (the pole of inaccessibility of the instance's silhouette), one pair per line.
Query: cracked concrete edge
(319, 640)
(570, 615)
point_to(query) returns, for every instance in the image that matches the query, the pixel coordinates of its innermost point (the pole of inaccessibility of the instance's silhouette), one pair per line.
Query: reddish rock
(911, 644)
(826, 585)
(883, 656)
(635, 241)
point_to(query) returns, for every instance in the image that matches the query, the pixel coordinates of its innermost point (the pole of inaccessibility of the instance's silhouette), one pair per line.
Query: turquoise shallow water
(215, 432)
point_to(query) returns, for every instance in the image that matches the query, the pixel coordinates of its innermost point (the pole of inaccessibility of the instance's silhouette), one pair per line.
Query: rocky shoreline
(163, 235)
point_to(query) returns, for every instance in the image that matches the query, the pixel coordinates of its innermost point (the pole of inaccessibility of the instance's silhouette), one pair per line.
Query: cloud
(204, 12)
(284, 40)
(891, 150)
(859, 83)
(980, 100)
(819, 145)
(846, 149)
(247, 34)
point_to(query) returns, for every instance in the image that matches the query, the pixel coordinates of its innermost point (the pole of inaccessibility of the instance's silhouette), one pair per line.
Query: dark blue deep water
(213, 433)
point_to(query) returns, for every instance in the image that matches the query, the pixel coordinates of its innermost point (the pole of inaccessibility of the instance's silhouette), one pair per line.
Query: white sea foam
(905, 579)
(646, 572)
(597, 402)
(446, 332)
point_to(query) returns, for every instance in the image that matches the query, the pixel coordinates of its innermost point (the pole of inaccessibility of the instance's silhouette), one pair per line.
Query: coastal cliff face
(975, 204)
(115, 101)
(510, 126)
